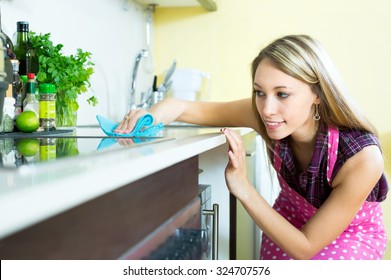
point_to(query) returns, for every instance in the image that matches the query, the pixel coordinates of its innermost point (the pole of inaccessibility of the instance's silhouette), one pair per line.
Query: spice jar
(47, 149)
(47, 106)
(7, 123)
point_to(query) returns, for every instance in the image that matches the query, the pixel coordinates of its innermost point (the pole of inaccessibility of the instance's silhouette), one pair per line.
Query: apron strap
(332, 152)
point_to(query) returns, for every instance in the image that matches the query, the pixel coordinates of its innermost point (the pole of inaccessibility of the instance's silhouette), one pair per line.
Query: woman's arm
(234, 114)
(351, 186)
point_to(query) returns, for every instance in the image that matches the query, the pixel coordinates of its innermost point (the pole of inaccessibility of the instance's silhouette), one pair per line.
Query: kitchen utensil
(163, 87)
(154, 88)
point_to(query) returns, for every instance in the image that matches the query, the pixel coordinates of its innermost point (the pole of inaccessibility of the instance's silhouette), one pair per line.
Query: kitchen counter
(35, 192)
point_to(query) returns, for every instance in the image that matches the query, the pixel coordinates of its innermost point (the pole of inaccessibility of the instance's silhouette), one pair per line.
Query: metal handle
(215, 230)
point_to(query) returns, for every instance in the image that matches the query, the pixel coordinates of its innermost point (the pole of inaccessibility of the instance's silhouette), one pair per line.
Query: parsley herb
(70, 74)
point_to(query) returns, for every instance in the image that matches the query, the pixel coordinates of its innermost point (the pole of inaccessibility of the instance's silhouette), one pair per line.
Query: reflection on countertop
(18, 149)
(25, 151)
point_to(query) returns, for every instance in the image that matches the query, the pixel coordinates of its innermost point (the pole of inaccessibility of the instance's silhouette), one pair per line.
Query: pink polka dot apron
(363, 239)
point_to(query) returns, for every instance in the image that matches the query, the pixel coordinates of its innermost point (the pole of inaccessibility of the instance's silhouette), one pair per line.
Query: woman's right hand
(129, 121)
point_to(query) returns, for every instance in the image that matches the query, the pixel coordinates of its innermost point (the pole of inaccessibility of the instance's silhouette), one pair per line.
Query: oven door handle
(215, 230)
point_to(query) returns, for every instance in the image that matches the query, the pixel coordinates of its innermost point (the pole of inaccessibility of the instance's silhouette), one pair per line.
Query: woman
(326, 154)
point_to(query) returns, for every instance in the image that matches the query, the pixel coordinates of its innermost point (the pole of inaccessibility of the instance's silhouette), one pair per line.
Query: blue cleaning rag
(143, 128)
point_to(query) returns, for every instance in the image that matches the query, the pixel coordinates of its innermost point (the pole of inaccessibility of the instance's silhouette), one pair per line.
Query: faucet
(142, 53)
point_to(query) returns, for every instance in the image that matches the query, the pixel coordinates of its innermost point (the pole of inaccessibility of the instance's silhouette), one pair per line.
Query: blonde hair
(303, 58)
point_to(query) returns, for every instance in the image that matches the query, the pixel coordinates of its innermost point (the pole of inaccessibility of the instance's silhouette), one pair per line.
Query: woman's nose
(269, 106)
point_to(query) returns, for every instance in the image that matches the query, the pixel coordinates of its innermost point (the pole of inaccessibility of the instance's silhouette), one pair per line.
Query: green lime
(27, 147)
(27, 121)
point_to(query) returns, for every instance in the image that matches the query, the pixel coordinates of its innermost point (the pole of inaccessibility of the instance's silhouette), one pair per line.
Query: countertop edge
(29, 205)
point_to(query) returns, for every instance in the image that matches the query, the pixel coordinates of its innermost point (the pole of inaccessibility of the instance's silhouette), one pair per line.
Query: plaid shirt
(312, 183)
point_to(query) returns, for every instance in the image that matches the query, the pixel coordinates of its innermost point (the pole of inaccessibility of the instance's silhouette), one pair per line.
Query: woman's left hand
(235, 172)
(129, 121)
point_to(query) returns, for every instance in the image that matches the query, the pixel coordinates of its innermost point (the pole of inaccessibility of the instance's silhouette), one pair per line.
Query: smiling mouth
(273, 125)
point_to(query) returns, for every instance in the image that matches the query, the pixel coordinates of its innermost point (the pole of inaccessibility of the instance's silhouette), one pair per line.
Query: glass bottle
(21, 45)
(17, 88)
(7, 123)
(8, 54)
(23, 50)
(3, 75)
(31, 103)
(32, 65)
(7, 152)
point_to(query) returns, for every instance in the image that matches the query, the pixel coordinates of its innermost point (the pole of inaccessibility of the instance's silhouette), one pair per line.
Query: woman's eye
(282, 94)
(258, 93)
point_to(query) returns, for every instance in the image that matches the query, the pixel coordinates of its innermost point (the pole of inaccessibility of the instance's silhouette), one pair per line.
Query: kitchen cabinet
(102, 202)
(209, 5)
(238, 232)
(213, 163)
(109, 225)
(244, 235)
(246, 243)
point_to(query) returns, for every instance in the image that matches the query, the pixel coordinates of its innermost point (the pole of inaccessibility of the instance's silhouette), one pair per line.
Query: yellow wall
(386, 145)
(357, 35)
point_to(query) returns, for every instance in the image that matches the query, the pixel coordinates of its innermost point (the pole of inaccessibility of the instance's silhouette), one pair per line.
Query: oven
(191, 234)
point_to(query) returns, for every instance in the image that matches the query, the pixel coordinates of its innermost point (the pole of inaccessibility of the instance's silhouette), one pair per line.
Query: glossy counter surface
(36, 191)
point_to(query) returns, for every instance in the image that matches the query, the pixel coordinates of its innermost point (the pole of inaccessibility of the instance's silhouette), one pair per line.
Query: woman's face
(284, 103)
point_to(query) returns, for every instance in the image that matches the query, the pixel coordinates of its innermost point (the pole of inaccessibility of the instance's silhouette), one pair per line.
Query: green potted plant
(70, 74)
